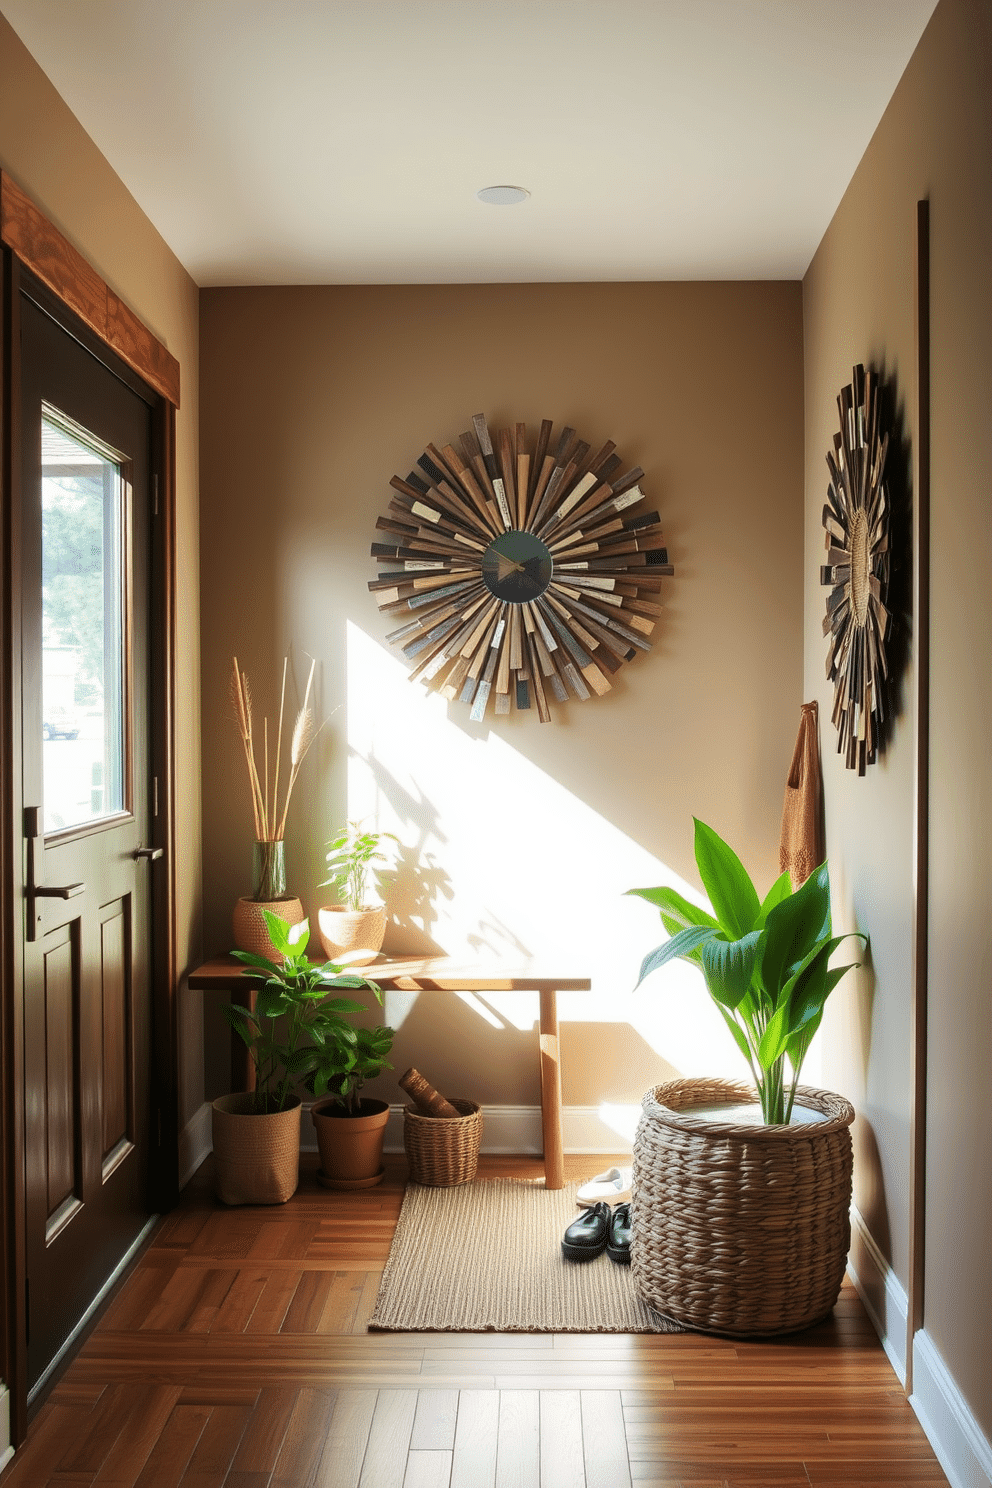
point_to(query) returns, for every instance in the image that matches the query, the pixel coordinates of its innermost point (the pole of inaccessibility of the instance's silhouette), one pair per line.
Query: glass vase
(268, 871)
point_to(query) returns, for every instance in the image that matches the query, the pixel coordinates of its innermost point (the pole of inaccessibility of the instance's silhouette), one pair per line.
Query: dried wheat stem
(241, 698)
(282, 705)
(303, 736)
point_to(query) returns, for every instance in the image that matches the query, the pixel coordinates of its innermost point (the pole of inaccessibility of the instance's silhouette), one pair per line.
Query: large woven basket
(740, 1229)
(442, 1151)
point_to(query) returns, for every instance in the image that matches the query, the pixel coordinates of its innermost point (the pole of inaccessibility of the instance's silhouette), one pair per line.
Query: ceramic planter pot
(355, 934)
(256, 1156)
(350, 1146)
(739, 1228)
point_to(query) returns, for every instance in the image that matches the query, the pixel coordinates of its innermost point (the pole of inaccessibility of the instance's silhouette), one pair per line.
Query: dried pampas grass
(270, 824)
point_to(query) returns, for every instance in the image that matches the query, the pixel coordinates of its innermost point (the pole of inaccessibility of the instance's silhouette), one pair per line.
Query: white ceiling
(343, 141)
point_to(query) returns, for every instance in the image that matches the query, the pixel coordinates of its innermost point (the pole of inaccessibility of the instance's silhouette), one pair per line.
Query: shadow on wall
(489, 1050)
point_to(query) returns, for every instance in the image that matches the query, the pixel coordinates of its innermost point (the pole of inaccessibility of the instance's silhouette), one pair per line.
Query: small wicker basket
(740, 1229)
(443, 1151)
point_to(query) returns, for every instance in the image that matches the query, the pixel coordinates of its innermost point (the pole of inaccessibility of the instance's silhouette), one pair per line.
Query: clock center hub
(517, 567)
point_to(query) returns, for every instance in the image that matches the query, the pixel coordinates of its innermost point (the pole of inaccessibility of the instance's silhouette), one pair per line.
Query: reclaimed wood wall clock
(522, 573)
(856, 525)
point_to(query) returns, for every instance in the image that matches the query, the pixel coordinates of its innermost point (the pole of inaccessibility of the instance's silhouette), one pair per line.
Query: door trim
(40, 247)
(122, 343)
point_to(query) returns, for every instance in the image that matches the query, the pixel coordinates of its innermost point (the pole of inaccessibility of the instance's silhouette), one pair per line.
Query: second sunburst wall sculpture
(856, 526)
(522, 573)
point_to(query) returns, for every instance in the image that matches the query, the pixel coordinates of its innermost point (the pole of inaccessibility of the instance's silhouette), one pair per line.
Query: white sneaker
(611, 1187)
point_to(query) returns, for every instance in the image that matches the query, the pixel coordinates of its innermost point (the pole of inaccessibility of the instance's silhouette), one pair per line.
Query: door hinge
(154, 495)
(155, 795)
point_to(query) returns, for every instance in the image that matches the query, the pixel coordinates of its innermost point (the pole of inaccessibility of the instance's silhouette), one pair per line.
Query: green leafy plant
(342, 1067)
(352, 859)
(297, 1032)
(764, 962)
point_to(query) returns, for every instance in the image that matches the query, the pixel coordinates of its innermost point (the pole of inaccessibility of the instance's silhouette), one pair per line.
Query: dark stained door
(85, 442)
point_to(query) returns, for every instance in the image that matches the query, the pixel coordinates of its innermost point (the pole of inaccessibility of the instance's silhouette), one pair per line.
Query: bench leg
(554, 1161)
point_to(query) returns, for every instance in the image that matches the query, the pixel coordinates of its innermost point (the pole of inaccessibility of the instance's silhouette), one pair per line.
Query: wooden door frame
(34, 255)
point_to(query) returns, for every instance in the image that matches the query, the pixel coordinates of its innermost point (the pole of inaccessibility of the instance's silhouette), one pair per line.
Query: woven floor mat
(486, 1257)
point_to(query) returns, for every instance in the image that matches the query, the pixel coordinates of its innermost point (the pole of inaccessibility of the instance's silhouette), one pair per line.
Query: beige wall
(47, 153)
(933, 141)
(522, 837)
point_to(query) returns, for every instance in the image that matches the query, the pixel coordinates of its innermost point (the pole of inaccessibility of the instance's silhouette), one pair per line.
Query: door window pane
(83, 626)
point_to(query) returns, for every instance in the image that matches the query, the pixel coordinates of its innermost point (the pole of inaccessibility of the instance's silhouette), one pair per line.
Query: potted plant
(256, 1134)
(350, 1127)
(269, 850)
(712, 1186)
(353, 930)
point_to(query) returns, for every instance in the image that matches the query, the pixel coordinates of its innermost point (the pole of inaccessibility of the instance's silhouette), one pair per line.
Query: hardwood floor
(235, 1355)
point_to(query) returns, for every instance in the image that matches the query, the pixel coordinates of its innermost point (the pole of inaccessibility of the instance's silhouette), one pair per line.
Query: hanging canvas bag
(801, 847)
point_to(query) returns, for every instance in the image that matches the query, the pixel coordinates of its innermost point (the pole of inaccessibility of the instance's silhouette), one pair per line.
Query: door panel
(85, 443)
(63, 1123)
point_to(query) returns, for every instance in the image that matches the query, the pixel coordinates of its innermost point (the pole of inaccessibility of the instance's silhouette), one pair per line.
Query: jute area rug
(486, 1257)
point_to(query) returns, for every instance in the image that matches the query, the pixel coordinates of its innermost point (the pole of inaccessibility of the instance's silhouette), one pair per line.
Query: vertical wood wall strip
(11, 968)
(921, 794)
(164, 1134)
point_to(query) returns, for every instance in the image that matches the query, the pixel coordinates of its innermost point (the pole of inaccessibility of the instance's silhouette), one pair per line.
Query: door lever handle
(34, 891)
(151, 853)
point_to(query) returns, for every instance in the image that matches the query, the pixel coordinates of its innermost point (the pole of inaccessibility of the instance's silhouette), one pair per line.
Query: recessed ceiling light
(502, 196)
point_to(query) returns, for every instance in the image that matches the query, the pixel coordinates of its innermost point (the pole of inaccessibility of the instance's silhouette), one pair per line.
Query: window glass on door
(84, 622)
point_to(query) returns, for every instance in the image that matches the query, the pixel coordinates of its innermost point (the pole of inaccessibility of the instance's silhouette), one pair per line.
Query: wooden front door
(85, 440)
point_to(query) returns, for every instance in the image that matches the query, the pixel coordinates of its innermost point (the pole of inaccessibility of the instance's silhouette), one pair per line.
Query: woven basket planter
(250, 930)
(740, 1229)
(256, 1155)
(443, 1151)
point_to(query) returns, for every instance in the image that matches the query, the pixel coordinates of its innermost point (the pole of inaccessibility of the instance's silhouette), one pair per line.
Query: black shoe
(618, 1235)
(585, 1237)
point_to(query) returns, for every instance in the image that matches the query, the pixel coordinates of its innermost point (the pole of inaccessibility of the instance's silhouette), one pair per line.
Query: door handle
(32, 890)
(151, 853)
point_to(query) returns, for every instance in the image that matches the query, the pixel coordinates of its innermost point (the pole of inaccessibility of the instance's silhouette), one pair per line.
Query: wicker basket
(740, 1229)
(440, 1150)
(256, 1156)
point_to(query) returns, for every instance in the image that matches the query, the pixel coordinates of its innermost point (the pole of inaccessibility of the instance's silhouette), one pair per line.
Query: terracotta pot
(249, 928)
(256, 1155)
(355, 934)
(350, 1146)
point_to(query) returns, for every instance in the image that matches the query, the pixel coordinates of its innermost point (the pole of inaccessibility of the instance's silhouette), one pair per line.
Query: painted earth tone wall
(934, 141)
(518, 838)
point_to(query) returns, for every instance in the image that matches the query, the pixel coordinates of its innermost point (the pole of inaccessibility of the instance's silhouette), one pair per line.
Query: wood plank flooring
(235, 1355)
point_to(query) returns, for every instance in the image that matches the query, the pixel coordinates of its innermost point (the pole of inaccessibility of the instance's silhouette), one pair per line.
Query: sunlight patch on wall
(500, 861)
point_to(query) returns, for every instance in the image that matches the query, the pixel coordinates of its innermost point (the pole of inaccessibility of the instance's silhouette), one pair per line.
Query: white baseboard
(505, 1129)
(512, 1130)
(6, 1450)
(960, 1446)
(881, 1291)
(195, 1143)
(962, 1449)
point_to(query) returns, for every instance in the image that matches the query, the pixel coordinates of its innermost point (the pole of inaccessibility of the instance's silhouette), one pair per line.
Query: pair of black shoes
(599, 1228)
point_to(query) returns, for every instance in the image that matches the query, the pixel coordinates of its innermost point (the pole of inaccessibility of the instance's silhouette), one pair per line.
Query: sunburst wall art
(856, 524)
(523, 573)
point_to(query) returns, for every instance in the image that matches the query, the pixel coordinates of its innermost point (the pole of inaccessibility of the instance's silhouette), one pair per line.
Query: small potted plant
(352, 931)
(350, 1127)
(711, 1183)
(256, 1134)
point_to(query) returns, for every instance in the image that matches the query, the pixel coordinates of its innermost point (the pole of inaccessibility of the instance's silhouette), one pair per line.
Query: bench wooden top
(416, 974)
